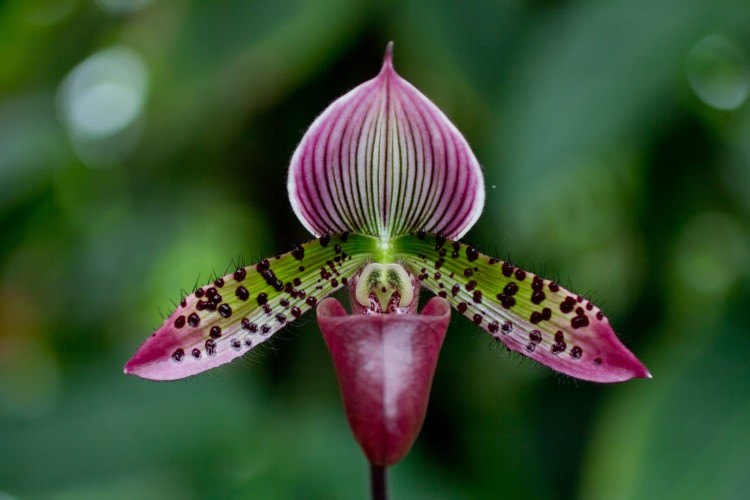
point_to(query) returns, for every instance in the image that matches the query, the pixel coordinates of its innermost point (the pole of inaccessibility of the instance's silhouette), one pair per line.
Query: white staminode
(383, 280)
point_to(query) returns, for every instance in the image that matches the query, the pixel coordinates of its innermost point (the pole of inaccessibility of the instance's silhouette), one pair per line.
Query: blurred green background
(144, 145)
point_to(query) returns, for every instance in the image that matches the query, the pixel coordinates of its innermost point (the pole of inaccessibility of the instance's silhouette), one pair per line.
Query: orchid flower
(387, 185)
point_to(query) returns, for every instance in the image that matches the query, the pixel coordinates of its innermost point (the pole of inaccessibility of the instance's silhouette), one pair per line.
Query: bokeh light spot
(718, 73)
(123, 6)
(104, 94)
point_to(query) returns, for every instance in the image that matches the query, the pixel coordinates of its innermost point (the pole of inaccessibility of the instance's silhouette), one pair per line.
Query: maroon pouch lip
(385, 365)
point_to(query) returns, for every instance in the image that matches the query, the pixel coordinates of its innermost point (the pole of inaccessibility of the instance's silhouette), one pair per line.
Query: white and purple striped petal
(383, 160)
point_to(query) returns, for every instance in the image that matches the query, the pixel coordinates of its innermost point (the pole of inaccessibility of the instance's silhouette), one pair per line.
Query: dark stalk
(378, 482)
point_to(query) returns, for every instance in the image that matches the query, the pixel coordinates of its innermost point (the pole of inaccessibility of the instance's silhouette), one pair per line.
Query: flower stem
(378, 482)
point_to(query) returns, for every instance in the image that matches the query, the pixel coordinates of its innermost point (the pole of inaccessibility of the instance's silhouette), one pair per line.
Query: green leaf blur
(144, 147)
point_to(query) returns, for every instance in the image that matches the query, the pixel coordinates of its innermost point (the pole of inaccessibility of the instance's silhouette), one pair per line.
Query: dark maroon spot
(492, 261)
(471, 285)
(344, 236)
(196, 353)
(468, 272)
(455, 289)
(439, 263)
(462, 306)
(178, 355)
(558, 347)
(537, 296)
(337, 249)
(240, 274)
(535, 317)
(456, 249)
(477, 297)
(510, 289)
(599, 315)
(559, 337)
(579, 311)
(579, 322)
(567, 305)
(472, 254)
(215, 332)
(546, 313)
(298, 252)
(301, 294)
(576, 352)
(296, 312)
(225, 310)
(262, 298)
(579, 299)
(344, 281)
(249, 342)
(507, 302)
(334, 283)
(179, 322)
(210, 347)
(437, 276)
(537, 283)
(507, 269)
(493, 327)
(199, 293)
(194, 320)
(237, 344)
(183, 302)
(421, 235)
(219, 282)
(296, 282)
(531, 346)
(553, 287)
(443, 294)
(311, 301)
(265, 329)
(439, 241)
(325, 240)
(284, 303)
(267, 308)
(280, 318)
(242, 293)
(507, 327)
(520, 274)
(421, 277)
(597, 361)
(247, 325)
(535, 336)
(443, 252)
(477, 319)
(589, 306)
(211, 293)
(301, 269)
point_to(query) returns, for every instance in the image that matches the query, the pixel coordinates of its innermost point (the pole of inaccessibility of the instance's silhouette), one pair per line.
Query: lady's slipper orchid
(387, 184)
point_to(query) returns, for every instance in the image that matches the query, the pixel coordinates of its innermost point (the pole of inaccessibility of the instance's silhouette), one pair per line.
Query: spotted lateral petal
(383, 160)
(531, 315)
(238, 312)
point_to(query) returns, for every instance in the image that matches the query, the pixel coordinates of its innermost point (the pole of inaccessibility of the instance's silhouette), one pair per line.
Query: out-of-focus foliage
(144, 145)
